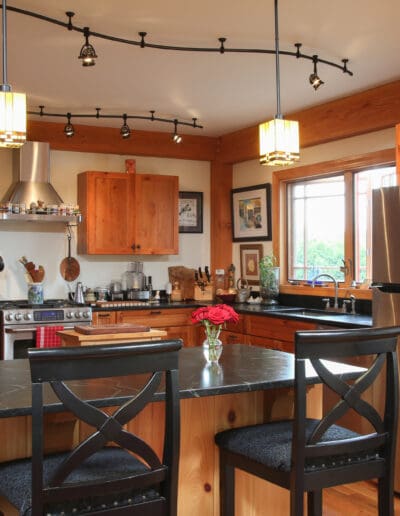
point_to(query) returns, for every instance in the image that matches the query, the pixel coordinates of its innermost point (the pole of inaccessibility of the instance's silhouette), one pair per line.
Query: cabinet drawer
(99, 318)
(236, 328)
(156, 317)
(230, 337)
(274, 328)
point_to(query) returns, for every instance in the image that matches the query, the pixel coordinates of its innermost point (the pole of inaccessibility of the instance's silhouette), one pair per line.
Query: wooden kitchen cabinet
(175, 321)
(127, 213)
(273, 332)
(100, 318)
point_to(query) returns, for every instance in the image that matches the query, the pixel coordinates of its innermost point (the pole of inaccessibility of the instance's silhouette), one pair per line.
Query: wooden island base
(201, 418)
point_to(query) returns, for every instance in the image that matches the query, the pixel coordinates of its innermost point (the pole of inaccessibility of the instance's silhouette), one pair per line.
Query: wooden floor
(358, 499)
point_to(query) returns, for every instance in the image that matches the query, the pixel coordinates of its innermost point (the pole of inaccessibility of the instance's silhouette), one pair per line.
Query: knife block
(204, 294)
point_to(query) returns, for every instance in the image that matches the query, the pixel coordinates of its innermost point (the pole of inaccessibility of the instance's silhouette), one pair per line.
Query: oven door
(17, 340)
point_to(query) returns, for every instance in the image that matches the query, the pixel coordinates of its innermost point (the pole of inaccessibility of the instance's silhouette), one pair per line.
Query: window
(316, 228)
(328, 218)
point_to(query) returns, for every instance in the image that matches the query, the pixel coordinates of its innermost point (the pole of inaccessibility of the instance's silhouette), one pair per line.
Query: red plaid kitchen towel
(46, 336)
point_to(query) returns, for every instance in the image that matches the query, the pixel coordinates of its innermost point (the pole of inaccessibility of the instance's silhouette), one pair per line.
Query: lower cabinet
(273, 332)
(256, 330)
(175, 321)
(100, 318)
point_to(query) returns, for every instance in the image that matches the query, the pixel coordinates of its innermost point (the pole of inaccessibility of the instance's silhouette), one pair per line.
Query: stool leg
(226, 487)
(385, 497)
(314, 503)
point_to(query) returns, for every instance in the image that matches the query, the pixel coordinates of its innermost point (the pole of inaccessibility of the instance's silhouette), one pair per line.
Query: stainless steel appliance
(386, 271)
(19, 321)
(135, 282)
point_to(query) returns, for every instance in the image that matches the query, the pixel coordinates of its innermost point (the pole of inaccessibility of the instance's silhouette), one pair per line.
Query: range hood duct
(31, 176)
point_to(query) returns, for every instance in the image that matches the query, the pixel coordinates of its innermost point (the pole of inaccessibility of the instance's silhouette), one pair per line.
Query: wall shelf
(30, 217)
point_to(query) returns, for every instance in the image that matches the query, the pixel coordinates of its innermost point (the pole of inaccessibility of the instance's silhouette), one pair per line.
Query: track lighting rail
(142, 43)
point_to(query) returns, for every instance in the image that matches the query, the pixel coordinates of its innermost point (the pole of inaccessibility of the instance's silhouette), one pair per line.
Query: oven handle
(30, 330)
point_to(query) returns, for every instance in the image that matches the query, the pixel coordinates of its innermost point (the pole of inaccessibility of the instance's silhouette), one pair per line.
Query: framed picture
(251, 213)
(250, 256)
(190, 212)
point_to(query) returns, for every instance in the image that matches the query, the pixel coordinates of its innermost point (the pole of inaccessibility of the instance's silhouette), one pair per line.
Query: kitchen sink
(309, 312)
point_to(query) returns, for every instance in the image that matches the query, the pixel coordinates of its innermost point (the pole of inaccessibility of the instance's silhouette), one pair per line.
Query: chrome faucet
(336, 303)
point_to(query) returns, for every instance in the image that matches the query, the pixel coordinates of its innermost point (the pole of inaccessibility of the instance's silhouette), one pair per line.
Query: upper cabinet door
(156, 214)
(123, 213)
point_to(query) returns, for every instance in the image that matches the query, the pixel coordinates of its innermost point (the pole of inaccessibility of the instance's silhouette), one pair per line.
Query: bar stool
(307, 455)
(112, 470)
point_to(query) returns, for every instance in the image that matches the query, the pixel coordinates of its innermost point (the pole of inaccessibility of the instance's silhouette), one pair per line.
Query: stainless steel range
(19, 321)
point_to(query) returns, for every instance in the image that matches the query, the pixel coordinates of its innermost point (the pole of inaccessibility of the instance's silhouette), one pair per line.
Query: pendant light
(279, 138)
(12, 105)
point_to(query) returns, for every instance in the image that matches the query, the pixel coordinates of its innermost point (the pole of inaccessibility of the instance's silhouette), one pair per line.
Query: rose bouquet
(213, 318)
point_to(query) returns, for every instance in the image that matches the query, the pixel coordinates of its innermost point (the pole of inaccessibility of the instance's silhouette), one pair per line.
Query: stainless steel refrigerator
(386, 272)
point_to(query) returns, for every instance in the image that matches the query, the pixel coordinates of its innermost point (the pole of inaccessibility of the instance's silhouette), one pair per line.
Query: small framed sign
(251, 213)
(190, 212)
(250, 256)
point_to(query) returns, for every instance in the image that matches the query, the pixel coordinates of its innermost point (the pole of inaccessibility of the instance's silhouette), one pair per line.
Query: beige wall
(47, 244)
(252, 173)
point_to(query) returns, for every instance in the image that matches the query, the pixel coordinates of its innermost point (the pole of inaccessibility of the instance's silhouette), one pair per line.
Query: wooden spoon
(69, 267)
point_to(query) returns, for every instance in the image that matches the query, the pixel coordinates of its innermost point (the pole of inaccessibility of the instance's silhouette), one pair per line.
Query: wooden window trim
(280, 182)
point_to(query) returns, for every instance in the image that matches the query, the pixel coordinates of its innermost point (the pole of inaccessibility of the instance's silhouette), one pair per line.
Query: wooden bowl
(227, 298)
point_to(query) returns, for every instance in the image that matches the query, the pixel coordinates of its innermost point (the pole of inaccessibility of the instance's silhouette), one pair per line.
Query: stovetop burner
(23, 303)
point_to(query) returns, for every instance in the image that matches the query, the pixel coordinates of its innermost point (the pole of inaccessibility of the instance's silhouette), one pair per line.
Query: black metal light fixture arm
(221, 49)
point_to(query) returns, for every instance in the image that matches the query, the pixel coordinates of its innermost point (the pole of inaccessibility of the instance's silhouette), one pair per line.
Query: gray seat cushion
(109, 463)
(271, 444)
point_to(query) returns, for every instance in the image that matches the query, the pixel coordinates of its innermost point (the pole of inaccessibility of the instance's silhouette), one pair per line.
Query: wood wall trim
(280, 180)
(371, 110)
(221, 220)
(107, 140)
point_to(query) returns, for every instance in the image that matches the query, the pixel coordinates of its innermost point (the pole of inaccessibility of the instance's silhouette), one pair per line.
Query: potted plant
(269, 279)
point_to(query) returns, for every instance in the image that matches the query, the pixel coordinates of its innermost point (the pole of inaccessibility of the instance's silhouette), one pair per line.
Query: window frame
(347, 166)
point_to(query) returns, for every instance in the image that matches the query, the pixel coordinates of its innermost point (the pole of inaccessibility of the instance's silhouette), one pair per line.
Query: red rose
(217, 314)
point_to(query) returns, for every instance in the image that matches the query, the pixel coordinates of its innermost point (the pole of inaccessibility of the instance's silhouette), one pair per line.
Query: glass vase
(269, 285)
(212, 350)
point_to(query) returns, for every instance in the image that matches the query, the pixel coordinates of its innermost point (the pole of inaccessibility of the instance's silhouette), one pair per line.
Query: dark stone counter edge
(340, 320)
(185, 394)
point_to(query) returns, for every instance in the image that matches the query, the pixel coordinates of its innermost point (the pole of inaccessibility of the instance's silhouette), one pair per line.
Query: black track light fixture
(69, 130)
(125, 130)
(176, 138)
(87, 53)
(314, 79)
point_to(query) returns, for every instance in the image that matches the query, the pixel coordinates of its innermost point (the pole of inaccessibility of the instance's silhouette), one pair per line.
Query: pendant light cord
(4, 23)
(277, 69)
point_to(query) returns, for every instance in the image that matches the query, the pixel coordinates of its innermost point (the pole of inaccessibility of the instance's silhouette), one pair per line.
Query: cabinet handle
(102, 316)
(155, 312)
(133, 247)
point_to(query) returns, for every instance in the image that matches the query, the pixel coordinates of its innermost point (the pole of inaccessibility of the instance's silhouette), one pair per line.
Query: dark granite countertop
(287, 312)
(242, 368)
(338, 319)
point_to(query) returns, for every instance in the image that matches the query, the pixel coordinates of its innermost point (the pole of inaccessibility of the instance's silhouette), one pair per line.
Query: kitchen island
(250, 385)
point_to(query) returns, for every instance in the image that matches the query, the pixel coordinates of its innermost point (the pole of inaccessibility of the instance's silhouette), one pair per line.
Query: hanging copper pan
(69, 267)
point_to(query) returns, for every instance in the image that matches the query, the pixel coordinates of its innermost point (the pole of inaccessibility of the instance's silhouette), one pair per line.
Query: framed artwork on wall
(251, 213)
(250, 256)
(190, 212)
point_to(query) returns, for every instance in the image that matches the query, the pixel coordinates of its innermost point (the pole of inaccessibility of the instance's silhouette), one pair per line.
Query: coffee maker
(135, 282)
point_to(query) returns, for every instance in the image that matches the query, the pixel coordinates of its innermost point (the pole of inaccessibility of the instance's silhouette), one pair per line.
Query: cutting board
(73, 338)
(111, 328)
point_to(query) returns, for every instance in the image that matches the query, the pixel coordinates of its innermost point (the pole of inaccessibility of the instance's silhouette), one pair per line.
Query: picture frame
(250, 256)
(251, 213)
(190, 212)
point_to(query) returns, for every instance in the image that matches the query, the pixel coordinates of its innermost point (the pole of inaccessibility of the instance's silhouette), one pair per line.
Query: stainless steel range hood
(31, 176)
(31, 183)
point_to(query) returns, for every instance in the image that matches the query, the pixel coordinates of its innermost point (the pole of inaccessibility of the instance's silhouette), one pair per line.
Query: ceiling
(225, 92)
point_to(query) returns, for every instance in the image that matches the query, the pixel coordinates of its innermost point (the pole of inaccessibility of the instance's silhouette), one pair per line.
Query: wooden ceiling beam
(89, 138)
(371, 110)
